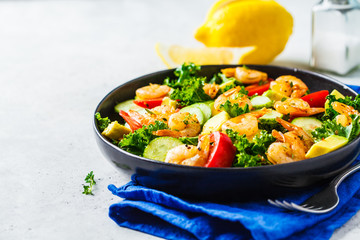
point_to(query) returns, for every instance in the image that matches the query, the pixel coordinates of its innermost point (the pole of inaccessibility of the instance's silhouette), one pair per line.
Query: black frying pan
(226, 183)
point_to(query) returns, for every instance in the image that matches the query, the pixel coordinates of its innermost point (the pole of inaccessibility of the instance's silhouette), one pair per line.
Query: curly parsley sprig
(91, 181)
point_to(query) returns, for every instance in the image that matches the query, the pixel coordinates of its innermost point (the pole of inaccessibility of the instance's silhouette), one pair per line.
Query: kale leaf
(354, 128)
(189, 140)
(137, 141)
(250, 154)
(269, 126)
(185, 71)
(102, 123)
(262, 142)
(330, 112)
(234, 109)
(328, 128)
(227, 87)
(190, 92)
(220, 78)
(188, 87)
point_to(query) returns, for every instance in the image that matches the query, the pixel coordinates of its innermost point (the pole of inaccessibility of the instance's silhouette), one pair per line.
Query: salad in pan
(240, 117)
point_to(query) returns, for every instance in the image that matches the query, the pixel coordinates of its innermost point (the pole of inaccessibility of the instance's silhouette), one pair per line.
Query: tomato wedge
(222, 152)
(150, 103)
(258, 89)
(316, 99)
(134, 125)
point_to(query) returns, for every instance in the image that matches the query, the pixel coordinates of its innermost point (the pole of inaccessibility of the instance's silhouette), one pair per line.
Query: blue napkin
(164, 215)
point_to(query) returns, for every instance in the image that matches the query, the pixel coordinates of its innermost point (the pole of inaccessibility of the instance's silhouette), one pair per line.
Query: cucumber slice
(261, 101)
(270, 118)
(205, 108)
(195, 110)
(126, 106)
(309, 124)
(159, 147)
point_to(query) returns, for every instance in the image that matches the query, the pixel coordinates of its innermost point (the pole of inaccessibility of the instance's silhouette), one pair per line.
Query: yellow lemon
(264, 24)
(175, 55)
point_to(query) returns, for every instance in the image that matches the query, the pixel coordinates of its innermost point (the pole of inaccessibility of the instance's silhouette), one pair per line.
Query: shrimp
(228, 72)
(245, 123)
(291, 146)
(245, 75)
(190, 155)
(211, 89)
(283, 152)
(296, 107)
(289, 86)
(303, 135)
(181, 124)
(233, 96)
(159, 113)
(345, 111)
(152, 91)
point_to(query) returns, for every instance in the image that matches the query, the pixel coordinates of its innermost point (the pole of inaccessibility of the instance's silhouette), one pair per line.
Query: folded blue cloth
(355, 88)
(164, 215)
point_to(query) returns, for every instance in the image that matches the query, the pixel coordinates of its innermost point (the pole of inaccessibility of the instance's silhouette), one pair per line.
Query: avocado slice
(327, 145)
(274, 96)
(214, 124)
(169, 102)
(213, 110)
(115, 131)
(224, 85)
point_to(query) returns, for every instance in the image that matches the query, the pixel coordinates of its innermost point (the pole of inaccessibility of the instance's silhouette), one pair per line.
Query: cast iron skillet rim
(298, 163)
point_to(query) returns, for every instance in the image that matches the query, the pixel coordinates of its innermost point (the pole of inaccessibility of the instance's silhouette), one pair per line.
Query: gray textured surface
(57, 60)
